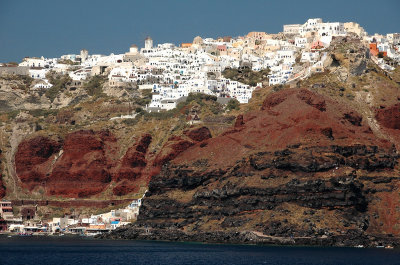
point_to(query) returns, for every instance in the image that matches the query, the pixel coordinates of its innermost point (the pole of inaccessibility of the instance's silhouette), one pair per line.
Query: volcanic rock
(301, 153)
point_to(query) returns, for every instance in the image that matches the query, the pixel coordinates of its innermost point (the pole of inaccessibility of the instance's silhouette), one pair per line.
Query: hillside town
(24, 220)
(172, 72)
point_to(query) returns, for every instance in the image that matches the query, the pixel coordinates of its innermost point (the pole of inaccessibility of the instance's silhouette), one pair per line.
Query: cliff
(302, 169)
(316, 163)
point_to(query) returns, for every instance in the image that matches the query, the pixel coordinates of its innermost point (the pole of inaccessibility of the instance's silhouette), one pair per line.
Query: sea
(66, 250)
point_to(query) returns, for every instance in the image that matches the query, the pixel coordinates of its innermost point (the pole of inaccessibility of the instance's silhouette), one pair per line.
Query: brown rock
(199, 134)
(389, 117)
(239, 121)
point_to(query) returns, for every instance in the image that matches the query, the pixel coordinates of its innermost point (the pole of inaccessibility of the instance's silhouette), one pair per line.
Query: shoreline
(252, 238)
(226, 238)
(224, 243)
(15, 234)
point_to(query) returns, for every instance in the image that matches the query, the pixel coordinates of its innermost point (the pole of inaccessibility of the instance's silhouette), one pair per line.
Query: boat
(25, 234)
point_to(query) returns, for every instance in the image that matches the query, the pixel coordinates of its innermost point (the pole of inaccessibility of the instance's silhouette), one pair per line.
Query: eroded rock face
(389, 117)
(2, 188)
(86, 162)
(83, 168)
(79, 166)
(198, 135)
(178, 144)
(33, 160)
(239, 121)
(132, 166)
(302, 167)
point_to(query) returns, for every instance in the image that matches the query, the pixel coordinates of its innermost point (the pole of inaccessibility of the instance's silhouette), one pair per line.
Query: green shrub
(68, 61)
(145, 98)
(13, 114)
(42, 112)
(199, 98)
(59, 83)
(131, 122)
(246, 76)
(233, 104)
(94, 86)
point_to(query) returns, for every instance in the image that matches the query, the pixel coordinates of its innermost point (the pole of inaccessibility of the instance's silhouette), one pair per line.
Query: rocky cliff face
(81, 165)
(304, 168)
(86, 163)
(2, 188)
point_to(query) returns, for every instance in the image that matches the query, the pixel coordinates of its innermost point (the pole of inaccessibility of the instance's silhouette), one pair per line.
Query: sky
(51, 28)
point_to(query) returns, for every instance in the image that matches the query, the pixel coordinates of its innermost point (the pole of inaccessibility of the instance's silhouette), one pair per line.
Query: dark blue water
(60, 251)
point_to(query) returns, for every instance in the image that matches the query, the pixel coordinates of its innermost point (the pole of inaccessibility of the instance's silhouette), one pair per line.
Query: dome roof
(133, 46)
(197, 40)
(148, 38)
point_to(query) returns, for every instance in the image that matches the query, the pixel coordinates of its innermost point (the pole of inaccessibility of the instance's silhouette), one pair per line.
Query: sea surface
(63, 250)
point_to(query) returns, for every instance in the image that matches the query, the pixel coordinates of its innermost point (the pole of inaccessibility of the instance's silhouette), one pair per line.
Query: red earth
(288, 117)
(86, 162)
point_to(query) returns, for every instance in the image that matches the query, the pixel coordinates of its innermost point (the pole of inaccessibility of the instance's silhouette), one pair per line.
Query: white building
(331, 29)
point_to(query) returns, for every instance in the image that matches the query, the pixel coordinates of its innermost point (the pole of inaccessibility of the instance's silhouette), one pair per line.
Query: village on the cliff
(172, 72)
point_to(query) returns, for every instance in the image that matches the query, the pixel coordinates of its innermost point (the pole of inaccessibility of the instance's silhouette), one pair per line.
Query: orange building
(186, 45)
(373, 49)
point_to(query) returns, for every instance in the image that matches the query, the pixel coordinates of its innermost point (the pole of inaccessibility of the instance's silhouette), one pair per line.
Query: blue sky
(55, 27)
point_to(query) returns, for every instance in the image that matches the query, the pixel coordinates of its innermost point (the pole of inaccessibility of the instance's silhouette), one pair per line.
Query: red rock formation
(33, 160)
(353, 118)
(2, 188)
(389, 117)
(83, 168)
(199, 134)
(289, 117)
(301, 159)
(132, 166)
(89, 162)
(239, 121)
(124, 188)
(176, 144)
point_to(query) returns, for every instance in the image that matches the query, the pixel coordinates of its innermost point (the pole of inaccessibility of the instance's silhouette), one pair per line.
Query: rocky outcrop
(389, 117)
(84, 167)
(178, 144)
(78, 166)
(302, 170)
(34, 160)
(239, 121)
(349, 238)
(2, 188)
(86, 163)
(132, 166)
(199, 134)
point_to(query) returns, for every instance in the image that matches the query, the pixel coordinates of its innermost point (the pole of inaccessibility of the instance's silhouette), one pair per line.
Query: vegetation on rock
(59, 83)
(246, 75)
